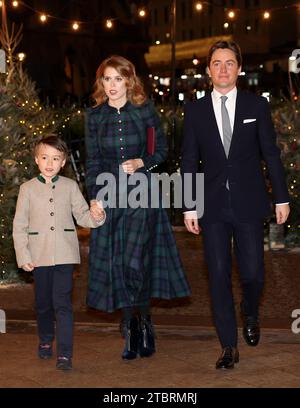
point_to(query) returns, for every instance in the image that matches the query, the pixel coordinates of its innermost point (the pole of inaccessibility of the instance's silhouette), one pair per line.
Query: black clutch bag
(151, 140)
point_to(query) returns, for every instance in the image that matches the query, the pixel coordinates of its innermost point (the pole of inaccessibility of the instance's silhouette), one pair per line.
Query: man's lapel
(240, 108)
(212, 124)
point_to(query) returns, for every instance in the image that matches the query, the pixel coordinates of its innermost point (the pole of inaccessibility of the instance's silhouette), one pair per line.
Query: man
(229, 132)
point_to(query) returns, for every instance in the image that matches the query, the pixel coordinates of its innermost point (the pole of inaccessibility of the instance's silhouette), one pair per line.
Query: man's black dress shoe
(251, 329)
(228, 358)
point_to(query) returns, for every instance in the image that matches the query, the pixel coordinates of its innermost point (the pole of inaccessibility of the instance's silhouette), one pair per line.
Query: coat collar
(126, 107)
(42, 180)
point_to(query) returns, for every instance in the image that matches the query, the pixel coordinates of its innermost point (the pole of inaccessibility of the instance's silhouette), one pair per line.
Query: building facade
(266, 40)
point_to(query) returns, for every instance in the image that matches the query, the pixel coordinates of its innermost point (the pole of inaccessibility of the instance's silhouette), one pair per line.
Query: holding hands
(29, 267)
(97, 211)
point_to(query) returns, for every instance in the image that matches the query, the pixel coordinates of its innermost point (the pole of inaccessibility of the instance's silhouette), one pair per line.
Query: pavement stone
(185, 358)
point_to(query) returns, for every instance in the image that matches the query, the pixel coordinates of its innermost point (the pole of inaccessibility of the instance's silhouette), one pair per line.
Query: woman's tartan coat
(133, 257)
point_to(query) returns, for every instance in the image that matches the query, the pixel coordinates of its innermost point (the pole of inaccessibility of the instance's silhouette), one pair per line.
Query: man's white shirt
(230, 105)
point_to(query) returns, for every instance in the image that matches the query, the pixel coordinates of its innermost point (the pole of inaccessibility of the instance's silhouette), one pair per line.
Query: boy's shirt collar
(42, 180)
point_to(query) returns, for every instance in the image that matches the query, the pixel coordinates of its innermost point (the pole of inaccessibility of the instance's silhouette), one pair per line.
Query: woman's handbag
(151, 140)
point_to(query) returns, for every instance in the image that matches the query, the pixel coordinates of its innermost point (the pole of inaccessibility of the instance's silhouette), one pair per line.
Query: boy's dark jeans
(53, 291)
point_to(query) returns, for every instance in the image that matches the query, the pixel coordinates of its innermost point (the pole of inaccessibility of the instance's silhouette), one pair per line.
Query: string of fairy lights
(141, 12)
(75, 25)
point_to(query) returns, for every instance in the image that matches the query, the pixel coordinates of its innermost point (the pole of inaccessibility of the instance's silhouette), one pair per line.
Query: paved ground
(186, 341)
(185, 358)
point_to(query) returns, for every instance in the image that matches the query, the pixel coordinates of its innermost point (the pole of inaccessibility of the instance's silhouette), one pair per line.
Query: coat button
(52, 213)
(51, 200)
(52, 228)
(53, 187)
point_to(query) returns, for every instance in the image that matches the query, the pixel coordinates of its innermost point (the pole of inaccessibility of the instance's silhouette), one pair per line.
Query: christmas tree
(287, 123)
(22, 121)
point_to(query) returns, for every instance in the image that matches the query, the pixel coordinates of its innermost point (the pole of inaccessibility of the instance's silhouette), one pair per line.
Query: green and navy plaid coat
(133, 257)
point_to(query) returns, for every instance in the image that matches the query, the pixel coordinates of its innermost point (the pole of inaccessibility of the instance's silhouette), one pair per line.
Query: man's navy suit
(237, 212)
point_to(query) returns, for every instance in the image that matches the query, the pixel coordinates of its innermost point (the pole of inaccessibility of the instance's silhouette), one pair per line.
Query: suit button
(52, 213)
(51, 200)
(53, 187)
(52, 228)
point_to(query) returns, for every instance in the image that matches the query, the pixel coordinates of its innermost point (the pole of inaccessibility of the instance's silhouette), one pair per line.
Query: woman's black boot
(129, 329)
(146, 337)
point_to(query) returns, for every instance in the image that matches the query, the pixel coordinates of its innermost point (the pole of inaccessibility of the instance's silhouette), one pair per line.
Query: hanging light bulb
(198, 6)
(266, 15)
(109, 24)
(142, 13)
(75, 26)
(15, 3)
(43, 18)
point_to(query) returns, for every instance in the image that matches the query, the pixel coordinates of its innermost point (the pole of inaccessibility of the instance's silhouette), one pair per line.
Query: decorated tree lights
(22, 121)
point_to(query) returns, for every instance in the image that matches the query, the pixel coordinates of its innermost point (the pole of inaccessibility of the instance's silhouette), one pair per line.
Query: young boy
(46, 243)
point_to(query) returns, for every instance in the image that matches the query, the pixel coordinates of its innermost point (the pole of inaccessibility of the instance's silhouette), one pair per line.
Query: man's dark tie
(227, 132)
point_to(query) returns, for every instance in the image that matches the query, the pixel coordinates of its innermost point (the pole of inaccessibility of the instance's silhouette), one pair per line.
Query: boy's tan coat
(43, 228)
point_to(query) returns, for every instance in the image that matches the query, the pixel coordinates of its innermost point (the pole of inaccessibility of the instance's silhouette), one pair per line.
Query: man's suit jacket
(251, 142)
(43, 229)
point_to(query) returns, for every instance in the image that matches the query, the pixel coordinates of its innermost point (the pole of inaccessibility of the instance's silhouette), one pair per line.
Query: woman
(133, 257)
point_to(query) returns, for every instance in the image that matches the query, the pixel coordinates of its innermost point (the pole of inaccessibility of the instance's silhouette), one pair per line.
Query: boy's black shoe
(251, 329)
(64, 363)
(45, 351)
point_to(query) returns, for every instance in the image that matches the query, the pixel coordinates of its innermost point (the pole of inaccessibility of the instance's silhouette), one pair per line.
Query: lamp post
(173, 94)
(173, 60)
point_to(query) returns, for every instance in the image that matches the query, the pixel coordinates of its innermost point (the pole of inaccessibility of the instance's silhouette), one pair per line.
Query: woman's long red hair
(135, 89)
